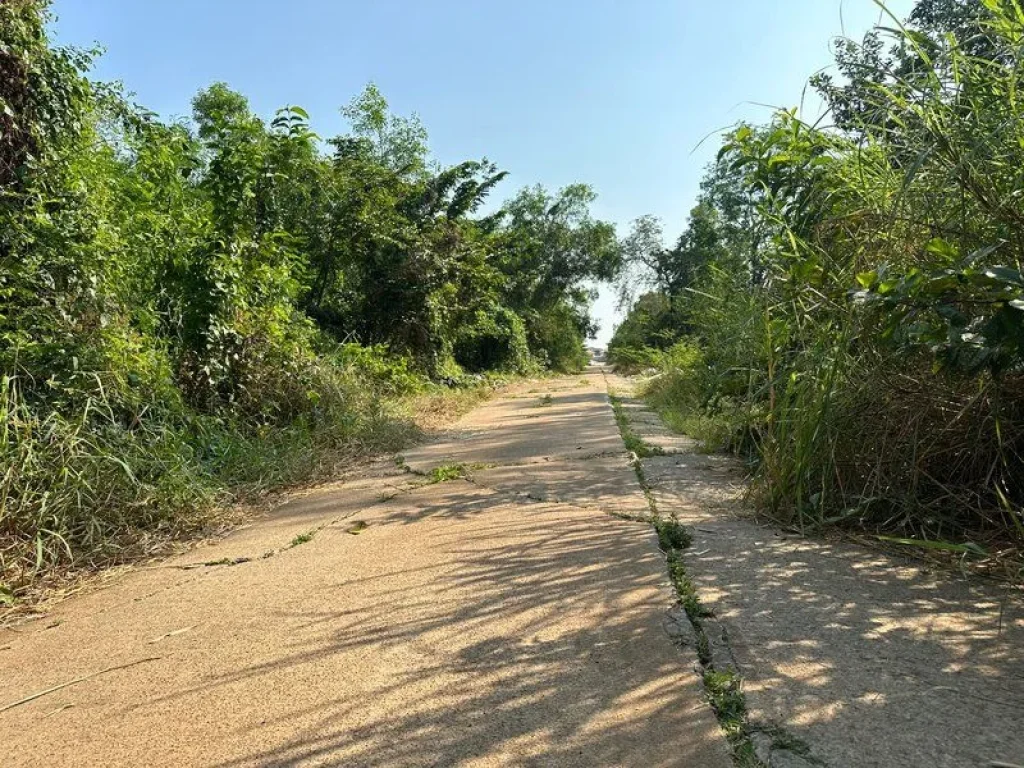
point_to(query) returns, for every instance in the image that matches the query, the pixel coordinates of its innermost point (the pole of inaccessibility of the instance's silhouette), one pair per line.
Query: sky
(626, 95)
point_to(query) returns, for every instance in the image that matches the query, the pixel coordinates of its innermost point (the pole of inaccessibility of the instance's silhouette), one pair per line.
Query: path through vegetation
(478, 608)
(501, 597)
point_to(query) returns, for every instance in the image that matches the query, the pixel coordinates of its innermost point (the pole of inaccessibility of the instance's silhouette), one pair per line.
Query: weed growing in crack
(685, 589)
(722, 688)
(634, 443)
(672, 535)
(227, 561)
(302, 538)
(447, 472)
(645, 486)
(725, 693)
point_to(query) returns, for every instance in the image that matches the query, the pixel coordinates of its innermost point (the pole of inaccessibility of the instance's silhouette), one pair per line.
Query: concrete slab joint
(849, 656)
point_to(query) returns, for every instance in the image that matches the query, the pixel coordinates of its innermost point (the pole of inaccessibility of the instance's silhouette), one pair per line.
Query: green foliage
(672, 535)
(631, 360)
(549, 247)
(651, 326)
(725, 692)
(394, 373)
(188, 310)
(556, 334)
(858, 330)
(447, 472)
(696, 397)
(493, 340)
(633, 442)
(651, 323)
(397, 143)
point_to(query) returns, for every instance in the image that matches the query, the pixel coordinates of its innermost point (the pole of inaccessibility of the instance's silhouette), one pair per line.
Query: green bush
(394, 374)
(632, 360)
(493, 340)
(856, 326)
(556, 337)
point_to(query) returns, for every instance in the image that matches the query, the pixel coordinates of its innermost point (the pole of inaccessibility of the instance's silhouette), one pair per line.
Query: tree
(395, 142)
(878, 83)
(549, 249)
(644, 261)
(552, 244)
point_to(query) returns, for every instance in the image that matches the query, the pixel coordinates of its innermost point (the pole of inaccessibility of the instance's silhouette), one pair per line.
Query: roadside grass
(78, 496)
(724, 430)
(713, 433)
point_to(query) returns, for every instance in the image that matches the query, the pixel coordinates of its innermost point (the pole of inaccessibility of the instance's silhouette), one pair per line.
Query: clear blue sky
(617, 93)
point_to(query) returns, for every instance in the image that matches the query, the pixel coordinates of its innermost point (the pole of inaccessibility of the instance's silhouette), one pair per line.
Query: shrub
(631, 360)
(494, 340)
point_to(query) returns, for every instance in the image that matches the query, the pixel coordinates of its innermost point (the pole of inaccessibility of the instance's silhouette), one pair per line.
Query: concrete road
(850, 657)
(504, 618)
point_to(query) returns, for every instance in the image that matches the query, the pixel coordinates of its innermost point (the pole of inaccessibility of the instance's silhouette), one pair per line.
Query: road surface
(499, 618)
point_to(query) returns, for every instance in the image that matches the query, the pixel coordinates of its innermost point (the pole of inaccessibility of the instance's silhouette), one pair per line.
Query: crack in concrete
(754, 745)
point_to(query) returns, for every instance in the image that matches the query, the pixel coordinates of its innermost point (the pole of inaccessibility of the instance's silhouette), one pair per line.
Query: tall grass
(91, 490)
(78, 489)
(869, 358)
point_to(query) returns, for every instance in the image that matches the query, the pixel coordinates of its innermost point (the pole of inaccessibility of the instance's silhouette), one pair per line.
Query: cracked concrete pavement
(869, 659)
(509, 618)
(503, 619)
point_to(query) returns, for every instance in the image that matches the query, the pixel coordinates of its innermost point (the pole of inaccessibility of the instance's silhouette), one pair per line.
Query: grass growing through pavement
(723, 688)
(672, 534)
(633, 441)
(447, 472)
(726, 696)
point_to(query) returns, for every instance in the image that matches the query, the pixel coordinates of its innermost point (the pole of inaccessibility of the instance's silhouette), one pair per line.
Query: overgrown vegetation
(846, 305)
(190, 308)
